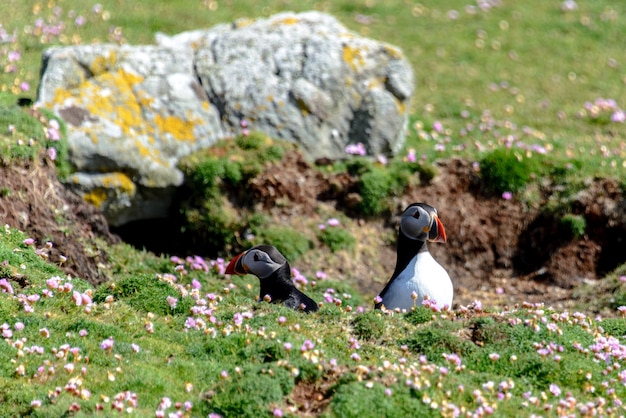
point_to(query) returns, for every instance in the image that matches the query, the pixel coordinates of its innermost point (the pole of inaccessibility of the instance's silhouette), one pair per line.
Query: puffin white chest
(424, 276)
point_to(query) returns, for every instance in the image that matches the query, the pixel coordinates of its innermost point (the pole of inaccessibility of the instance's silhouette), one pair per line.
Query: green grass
(515, 76)
(219, 351)
(521, 71)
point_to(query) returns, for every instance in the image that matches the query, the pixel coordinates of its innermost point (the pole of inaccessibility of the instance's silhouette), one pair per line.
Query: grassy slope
(560, 60)
(236, 357)
(520, 64)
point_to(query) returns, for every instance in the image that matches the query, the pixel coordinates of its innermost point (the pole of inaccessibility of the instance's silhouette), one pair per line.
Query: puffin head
(260, 260)
(420, 222)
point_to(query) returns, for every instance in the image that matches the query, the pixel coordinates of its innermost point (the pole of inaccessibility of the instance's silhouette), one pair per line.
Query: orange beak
(236, 266)
(437, 233)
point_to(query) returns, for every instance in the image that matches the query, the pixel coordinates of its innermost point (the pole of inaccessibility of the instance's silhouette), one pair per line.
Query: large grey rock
(134, 111)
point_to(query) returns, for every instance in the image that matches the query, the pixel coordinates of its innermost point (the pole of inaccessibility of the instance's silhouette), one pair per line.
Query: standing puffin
(416, 269)
(274, 272)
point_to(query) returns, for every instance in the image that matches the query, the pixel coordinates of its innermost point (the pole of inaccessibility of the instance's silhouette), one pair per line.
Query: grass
(177, 336)
(480, 83)
(172, 336)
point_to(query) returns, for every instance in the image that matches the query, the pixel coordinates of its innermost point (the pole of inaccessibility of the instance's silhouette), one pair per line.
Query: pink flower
(356, 149)
(278, 412)
(29, 241)
(507, 195)
(307, 345)
(107, 344)
(555, 390)
(5, 286)
(411, 156)
(172, 301)
(13, 56)
(51, 153)
(618, 116)
(333, 222)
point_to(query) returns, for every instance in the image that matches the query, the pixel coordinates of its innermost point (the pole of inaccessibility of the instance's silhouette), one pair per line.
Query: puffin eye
(256, 257)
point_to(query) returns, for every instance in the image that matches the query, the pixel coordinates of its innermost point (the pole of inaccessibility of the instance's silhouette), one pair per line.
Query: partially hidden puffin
(417, 273)
(274, 273)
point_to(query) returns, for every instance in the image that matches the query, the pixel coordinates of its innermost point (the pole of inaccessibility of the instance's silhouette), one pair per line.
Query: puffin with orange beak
(274, 273)
(417, 275)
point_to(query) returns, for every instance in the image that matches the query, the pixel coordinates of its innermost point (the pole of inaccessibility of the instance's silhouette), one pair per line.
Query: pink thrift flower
(618, 116)
(411, 156)
(107, 344)
(52, 153)
(172, 301)
(320, 275)
(29, 241)
(555, 390)
(507, 195)
(5, 286)
(333, 222)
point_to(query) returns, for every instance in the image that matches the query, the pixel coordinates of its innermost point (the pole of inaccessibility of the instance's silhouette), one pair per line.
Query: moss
(215, 183)
(248, 393)
(505, 170)
(336, 238)
(369, 326)
(290, 242)
(419, 315)
(145, 293)
(574, 225)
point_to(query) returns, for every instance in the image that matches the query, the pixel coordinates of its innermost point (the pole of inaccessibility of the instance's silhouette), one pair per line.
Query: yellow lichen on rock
(288, 21)
(180, 129)
(102, 64)
(120, 182)
(96, 197)
(394, 52)
(353, 57)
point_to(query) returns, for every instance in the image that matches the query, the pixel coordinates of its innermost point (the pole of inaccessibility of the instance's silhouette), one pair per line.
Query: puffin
(416, 270)
(274, 273)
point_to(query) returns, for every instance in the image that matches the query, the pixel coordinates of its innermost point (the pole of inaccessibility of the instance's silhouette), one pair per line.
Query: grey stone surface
(134, 111)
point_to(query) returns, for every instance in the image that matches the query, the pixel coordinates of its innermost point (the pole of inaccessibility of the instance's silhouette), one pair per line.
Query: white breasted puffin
(274, 273)
(416, 269)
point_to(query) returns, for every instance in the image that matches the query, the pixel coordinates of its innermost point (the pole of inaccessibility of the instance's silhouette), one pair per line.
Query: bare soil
(501, 252)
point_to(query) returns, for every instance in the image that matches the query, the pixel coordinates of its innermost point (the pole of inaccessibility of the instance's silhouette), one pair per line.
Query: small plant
(369, 326)
(505, 170)
(419, 315)
(215, 177)
(145, 293)
(291, 243)
(335, 237)
(574, 225)
(27, 134)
